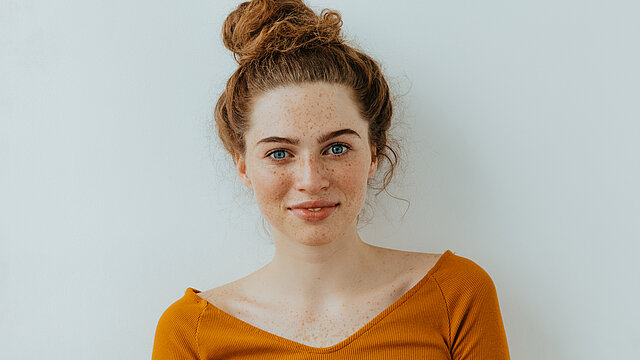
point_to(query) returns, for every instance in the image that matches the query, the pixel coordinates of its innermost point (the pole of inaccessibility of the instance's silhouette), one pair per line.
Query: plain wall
(521, 126)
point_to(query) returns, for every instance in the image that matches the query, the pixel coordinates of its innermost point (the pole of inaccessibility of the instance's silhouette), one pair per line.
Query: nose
(311, 175)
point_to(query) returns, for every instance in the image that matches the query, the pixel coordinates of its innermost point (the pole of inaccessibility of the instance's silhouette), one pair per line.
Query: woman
(305, 119)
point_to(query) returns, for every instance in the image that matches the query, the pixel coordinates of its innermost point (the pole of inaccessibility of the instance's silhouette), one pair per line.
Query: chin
(316, 243)
(313, 237)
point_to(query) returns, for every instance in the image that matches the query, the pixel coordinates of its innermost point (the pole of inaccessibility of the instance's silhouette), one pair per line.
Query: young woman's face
(306, 143)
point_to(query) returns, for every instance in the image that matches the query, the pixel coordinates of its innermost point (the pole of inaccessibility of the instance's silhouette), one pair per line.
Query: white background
(521, 127)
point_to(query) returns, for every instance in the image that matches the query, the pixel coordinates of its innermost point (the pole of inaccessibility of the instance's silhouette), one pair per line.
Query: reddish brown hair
(280, 42)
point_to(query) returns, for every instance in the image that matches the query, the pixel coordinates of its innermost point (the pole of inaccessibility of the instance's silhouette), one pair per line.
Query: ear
(241, 166)
(374, 162)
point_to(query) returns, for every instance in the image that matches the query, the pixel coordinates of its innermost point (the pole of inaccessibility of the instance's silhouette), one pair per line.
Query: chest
(321, 326)
(317, 328)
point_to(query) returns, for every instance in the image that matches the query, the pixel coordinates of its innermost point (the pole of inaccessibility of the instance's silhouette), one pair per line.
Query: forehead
(305, 110)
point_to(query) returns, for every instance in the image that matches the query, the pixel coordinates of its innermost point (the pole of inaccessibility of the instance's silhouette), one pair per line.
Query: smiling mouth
(314, 214)
(317, 208)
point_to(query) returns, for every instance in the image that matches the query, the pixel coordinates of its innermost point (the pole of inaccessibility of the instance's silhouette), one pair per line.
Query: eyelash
(347, 148)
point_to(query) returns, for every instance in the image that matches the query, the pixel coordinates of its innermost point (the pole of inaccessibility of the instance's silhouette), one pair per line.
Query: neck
(321, 274)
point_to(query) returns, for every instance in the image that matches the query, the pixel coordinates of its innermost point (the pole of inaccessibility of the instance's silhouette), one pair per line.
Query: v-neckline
(312, 349)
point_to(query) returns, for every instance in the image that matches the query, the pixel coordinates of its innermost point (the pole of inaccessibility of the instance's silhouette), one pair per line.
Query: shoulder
(464, 283)
(176, 333)
(473, 310)
(458, 269)
(182, 316)
(448, 268)
(406, 261)
(188, 305)
(224, 296)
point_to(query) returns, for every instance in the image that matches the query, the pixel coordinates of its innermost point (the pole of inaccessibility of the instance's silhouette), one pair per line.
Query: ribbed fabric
(451, 313)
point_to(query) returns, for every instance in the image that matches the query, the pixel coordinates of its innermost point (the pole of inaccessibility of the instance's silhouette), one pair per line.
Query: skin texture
(313, 260)
(307, 171)
(324, 283)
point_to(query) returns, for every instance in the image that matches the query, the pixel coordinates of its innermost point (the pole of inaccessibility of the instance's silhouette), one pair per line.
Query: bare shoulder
(409, 261)
(423, 261)
(224, 295)
(406, 268)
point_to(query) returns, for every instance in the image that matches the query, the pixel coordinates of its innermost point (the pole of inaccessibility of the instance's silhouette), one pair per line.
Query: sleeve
(476, 330)
(176, 333)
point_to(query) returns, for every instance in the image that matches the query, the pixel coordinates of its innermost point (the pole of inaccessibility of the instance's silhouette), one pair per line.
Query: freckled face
(307, 142)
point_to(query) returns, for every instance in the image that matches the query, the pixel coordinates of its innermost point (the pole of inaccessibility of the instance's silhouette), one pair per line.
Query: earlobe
(374, 167)
(241, 166)
(374, 163)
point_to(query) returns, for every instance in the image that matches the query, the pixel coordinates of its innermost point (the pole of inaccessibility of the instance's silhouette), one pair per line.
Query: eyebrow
(321, 139)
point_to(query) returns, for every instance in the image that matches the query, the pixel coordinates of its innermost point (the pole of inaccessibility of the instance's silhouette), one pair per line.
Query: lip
(314, 204)
(327, 208)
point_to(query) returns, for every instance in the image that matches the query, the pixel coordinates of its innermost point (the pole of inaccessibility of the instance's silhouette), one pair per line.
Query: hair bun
(260, 27)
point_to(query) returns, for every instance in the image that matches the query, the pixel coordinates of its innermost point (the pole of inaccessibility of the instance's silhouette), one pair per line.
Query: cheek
(353, 179)
(270, 187)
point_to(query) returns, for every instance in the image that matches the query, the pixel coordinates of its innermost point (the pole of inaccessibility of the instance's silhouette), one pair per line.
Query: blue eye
(338, 149)
(278, 154)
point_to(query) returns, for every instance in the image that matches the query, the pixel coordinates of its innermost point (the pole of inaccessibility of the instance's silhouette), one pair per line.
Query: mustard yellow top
(451, 313)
